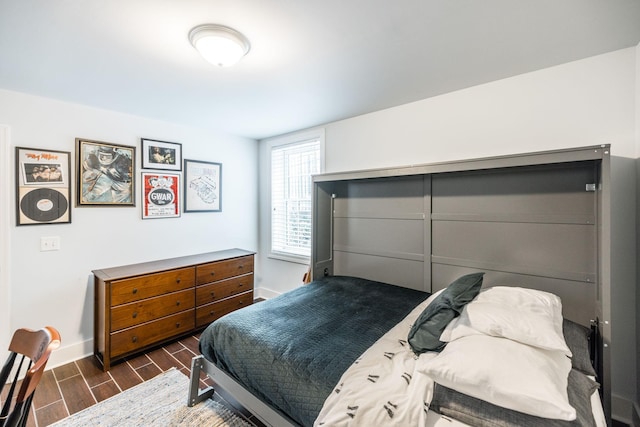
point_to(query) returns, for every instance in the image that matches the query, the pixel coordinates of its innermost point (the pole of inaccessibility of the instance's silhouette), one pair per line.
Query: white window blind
(291, 168)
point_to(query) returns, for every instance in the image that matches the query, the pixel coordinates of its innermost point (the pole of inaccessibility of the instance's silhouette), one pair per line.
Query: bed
(296, 361)
(535, 221)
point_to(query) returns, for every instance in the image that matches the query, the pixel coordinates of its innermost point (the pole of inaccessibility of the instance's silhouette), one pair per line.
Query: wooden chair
(36, 346)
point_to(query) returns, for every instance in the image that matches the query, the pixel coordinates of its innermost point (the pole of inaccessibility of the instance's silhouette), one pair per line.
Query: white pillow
(505, 373)
(525, 315)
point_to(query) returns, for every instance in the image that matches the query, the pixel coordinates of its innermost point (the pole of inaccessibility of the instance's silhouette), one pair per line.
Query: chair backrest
(29, 352)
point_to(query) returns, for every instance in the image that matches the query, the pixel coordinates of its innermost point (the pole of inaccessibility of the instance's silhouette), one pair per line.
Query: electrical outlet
(51, 243)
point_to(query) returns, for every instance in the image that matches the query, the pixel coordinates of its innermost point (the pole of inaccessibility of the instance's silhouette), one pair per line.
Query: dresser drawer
(210, 312)
(151, 285)
(220, 270)
(149, 333)
(134, 313)
(223, 289)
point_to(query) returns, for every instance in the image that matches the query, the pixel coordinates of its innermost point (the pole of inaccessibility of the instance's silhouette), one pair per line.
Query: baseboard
(622, 409)
(66, 354)
(636, 415)
(265, 293)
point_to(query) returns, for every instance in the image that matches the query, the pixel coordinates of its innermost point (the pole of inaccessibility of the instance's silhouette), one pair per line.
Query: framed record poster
(160, 195)
(43, 186)
(105, 174)
(202, 182)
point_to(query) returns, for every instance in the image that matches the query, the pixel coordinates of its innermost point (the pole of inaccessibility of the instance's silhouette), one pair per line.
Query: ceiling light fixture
(219, 45)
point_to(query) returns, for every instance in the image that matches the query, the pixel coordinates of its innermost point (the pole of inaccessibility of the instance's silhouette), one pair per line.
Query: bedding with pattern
(393, 367)
(291, 350)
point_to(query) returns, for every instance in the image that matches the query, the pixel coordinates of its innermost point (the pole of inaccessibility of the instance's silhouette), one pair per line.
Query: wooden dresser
(139, 306)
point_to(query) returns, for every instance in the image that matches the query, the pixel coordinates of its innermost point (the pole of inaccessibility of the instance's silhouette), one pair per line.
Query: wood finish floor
(70, 388)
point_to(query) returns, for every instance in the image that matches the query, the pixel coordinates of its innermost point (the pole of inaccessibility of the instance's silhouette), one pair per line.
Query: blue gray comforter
(292, 350)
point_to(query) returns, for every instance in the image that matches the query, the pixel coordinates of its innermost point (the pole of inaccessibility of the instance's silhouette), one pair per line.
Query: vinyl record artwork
(43, 186)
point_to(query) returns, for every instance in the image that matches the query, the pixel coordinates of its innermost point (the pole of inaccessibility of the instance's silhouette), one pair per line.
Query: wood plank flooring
(70, 388)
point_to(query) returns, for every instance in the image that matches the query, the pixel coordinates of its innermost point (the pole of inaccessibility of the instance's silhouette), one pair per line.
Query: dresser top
(124, 271)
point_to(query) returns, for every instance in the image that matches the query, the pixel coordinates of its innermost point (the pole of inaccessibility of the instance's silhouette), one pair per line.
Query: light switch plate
(51, 243)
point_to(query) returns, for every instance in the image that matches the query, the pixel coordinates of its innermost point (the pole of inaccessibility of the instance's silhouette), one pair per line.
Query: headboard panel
(524, 226)
(381, 223)
(537, 220)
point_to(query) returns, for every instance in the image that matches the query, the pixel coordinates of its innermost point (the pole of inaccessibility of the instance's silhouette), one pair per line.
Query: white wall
(56, 288)
(636, 412)
(586, 102)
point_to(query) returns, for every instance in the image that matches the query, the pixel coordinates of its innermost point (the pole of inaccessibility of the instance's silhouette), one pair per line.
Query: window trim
(293, 138)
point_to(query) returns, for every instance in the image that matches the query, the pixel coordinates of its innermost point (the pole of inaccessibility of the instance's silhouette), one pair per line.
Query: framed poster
(161, 155)
(202, 186)
(43, 186)
(105, 174)
(160, 195)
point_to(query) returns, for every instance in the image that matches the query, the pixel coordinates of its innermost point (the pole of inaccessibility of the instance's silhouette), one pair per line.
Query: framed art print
(202, 186)
(104, 174)
(161, 155)
(160, 195)
(43, 186)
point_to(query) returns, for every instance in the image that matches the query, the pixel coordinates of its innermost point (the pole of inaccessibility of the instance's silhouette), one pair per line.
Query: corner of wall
(636, 404)
(74, 351)
(266, 293)
(5, 190)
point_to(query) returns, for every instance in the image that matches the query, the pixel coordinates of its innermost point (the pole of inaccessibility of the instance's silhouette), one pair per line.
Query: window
(292, 165)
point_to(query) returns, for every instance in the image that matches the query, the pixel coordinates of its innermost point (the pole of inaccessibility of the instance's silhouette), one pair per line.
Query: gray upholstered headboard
(538, 220)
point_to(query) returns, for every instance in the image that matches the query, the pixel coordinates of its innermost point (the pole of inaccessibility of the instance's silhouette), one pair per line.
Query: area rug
(161, 401)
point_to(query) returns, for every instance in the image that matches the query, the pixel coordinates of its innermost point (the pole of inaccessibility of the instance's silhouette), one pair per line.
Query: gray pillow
(577, 338)
(425, 332)
(479, 413)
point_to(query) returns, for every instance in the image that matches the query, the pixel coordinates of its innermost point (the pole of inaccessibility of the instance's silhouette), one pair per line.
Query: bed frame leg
(195, 394)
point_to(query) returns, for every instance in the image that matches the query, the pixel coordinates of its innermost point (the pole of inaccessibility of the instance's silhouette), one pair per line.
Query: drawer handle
(135, 314)
(177, 324)
(213, 273)
(213, 294)
(241, 266)
(135, 290)
(211, 313)
(240, 302)
(134, 339)
(240, 285)
(177, 302)
(178, 280)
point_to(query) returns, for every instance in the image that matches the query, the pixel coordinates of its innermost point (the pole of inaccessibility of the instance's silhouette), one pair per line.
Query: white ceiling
(311, 62)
